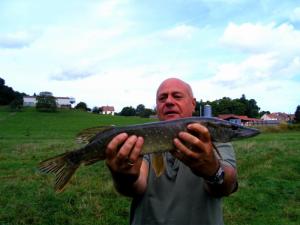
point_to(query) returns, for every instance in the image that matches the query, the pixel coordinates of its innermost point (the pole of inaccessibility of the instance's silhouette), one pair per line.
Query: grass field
(268, 167)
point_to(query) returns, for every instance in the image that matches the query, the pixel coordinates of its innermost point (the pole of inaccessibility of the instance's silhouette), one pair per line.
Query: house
(107, 110)
(29, 101)
(238, 119)
(62, 102)
(278, 116)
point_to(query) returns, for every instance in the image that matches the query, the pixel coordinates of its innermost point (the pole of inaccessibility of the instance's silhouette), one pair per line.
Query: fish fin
(158, 164)
(62, 167)
(89, 134)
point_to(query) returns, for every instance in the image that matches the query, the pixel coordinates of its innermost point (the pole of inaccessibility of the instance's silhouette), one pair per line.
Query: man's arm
(129, 171)
(202, 160)
(228, 186)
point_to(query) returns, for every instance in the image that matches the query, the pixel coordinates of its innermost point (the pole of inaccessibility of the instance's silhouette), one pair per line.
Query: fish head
(224, 131)
(244, 132)
(232, 131)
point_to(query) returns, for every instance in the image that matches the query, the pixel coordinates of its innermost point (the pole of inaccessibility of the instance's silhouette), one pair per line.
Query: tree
(128, 111)
(81, 106)
(95, 109)
(226, 105)
(140, 109)
(16, 104)
(261, 113)
(297, 114)
(7, 94)
(46, 104)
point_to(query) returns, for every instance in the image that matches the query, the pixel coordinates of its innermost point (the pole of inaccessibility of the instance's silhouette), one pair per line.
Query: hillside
(268, 168)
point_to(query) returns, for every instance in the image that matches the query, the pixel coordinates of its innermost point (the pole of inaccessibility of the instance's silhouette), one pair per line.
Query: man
(195, 179)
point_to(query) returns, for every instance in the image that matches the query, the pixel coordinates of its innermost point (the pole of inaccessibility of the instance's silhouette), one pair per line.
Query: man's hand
(195, 149)
(124, 161)
(123, 154)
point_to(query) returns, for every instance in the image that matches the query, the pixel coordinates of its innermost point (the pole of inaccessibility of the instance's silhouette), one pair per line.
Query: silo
(207, 111)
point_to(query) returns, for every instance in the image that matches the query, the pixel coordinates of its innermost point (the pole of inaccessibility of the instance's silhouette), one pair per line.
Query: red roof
(108, 108)
(233, 116)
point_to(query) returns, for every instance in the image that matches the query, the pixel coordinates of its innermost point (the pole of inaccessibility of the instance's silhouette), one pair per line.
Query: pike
(158, 138)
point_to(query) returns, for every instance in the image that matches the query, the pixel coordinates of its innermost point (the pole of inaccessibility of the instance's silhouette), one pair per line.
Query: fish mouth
(247, 132)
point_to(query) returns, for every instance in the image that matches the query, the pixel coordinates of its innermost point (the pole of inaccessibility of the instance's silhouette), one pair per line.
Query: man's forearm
(130, 185)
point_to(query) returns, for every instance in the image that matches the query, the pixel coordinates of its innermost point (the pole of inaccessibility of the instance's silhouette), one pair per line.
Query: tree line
(225, 105)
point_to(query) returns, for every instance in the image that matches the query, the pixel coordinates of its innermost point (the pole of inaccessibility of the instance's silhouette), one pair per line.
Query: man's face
(174, 100)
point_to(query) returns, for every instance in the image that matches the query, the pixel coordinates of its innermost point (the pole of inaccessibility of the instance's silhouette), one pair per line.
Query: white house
(62, 102)
(29, 101)
(108, 110)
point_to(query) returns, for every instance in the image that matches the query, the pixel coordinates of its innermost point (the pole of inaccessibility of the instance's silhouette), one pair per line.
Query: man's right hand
(124, 161)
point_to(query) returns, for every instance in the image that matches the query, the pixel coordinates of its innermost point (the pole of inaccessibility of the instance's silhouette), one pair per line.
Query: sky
(117, 53)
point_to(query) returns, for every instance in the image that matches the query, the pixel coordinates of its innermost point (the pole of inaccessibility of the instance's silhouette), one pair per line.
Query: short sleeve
(227, 153)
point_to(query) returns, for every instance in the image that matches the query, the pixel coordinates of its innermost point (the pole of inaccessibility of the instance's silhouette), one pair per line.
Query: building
(62, 102)
(278, 116)
(238, 119)
(107, 110)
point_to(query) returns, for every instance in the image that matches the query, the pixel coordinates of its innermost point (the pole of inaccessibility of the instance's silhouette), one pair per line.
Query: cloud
(258, 38)
(78, 72)
(272, 52)
(295, 15)
(71, 75)
(179, 32)
(19, 39)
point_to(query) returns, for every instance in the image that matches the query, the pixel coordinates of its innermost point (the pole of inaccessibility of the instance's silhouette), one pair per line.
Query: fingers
(123, 151)
(202, 131)
(135, 153)
(112, 147)
(197, 139)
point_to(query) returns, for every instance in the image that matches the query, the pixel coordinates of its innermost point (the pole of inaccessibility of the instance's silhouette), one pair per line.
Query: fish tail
(62, 167)
(158, 164)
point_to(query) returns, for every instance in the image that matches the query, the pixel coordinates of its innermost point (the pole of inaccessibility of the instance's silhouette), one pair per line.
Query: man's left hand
(194, 148)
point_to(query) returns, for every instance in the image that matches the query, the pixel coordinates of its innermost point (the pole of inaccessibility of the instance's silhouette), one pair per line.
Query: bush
(46, 104)
(16, 104)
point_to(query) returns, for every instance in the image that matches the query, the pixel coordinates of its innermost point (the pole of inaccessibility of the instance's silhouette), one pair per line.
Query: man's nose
(170, 100)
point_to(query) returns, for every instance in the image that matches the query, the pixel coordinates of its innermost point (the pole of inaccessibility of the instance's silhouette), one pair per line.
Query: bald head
(176, 82)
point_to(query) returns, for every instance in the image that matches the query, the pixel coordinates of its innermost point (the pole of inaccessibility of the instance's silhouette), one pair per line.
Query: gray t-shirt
(178, 196)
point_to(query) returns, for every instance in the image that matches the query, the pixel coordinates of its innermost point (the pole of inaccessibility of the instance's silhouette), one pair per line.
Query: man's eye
(162, 98)
(177, 96)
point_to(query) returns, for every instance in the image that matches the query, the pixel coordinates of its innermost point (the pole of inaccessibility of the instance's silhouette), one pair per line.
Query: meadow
(268, 171)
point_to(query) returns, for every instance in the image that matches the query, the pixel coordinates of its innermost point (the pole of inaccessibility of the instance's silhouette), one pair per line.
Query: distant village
(274, 118)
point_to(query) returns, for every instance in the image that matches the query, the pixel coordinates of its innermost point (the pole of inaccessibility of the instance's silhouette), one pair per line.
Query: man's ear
(194, 104)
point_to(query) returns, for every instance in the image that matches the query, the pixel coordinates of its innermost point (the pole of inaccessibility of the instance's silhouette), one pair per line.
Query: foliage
(144, 112)
(297, 114)
(147, 113)
(140, 109)
(261, 113)
(16, 104)
(128, 111)
(95, 109)
(7, 94)
(82, 106)
(226, 105)
(46, 104)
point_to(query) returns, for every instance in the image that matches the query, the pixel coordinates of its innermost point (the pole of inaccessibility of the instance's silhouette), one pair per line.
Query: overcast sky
(118, 52)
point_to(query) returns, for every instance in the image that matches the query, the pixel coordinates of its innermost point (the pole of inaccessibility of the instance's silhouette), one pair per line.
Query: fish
(158, 138)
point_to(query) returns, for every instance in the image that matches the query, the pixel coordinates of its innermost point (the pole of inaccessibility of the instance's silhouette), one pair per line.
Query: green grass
(268, 170)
